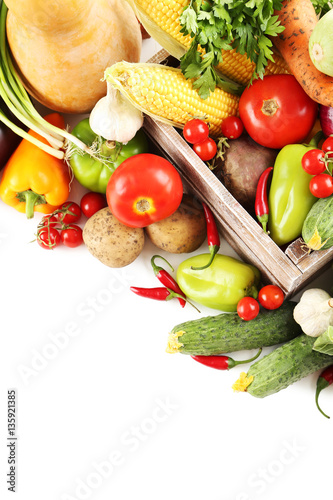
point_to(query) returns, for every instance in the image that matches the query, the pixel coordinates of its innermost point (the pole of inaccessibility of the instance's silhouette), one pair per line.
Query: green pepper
(94, 173)
(289, 197)
(221, 285)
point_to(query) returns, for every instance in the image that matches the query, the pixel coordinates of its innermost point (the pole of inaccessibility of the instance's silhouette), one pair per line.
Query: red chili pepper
(213, 237)
(158, 293)
(261, 201)
(324, 380)
(222, 362)
(166, 279)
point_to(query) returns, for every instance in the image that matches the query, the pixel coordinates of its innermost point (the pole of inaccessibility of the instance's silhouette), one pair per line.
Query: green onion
(18, 101)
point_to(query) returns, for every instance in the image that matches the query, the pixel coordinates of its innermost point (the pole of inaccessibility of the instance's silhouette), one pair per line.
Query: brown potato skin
(110, 241)
(184, 231)
(242, 164)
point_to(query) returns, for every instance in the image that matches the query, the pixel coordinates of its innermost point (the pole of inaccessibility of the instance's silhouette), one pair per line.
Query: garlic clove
(114, 118)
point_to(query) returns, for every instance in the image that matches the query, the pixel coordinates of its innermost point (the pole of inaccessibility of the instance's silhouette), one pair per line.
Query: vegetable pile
(264, 127)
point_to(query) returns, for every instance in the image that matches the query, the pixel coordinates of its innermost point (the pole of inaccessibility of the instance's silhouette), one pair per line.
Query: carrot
(299, 19)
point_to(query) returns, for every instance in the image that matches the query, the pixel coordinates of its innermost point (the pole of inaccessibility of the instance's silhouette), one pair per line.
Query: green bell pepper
(221, 285)
(94, 173)
(289, 199)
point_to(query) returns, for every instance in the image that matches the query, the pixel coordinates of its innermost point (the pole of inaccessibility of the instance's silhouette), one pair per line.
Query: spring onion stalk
(18, 101)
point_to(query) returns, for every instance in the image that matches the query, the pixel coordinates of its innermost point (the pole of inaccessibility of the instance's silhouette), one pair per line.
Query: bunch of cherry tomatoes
(270, 297)
(196, 132)
(317, 162)
(61, 226)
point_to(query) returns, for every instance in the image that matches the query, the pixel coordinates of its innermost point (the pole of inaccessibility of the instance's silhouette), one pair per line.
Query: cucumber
(317, 230)
(228, 332)
(287, 364)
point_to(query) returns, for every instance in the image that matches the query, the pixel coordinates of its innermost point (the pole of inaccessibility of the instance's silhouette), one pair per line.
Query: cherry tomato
(321, 186)
(48, 237)
(327, 144)
(232, 127)
(71, 236)
(271, 297)
(195, 131)
(248, 308)
(50, 220)
(313, 162)
(144, 189)
(69, 213)
(206, 150)
(276, 111)
(92, 203)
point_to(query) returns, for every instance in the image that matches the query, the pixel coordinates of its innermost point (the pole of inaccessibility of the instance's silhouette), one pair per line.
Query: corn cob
(165, 94)
(164, 15)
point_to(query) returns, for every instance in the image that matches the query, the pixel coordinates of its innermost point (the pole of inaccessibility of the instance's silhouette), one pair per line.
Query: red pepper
(324, 380)
(159, 293)
(166, 279)
(261, 201)
(223, 362)
(212, 236)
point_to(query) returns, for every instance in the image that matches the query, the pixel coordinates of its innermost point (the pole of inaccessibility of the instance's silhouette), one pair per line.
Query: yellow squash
(61, 48)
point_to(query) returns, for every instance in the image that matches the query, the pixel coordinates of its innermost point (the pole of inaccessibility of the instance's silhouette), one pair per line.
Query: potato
(110, 241)
(242, 164)
(183, 232)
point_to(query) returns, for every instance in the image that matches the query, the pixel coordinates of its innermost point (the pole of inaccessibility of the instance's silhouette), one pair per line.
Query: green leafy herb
(322, 6)
(244, 25)
(324, 342)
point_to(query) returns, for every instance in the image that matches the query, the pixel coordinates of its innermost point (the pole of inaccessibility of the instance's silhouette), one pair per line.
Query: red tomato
(206, 150)
(313, 162)
(232, 127)
(144, 189)
(50, 220)
(271, 297)
(48, 237)
(195, 131)
(276, 111)
(328, 144)
(71, 236)
(248, 308)
(321, 186)
(92, 203)
(69, 212)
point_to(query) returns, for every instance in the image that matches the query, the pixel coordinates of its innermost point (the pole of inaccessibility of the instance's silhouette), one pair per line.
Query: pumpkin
(61, 48)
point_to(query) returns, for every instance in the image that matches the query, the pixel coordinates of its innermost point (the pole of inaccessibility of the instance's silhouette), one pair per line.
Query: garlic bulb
(114, 118)
(314, 312)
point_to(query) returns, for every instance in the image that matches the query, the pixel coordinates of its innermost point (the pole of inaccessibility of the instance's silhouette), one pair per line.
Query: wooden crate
(291, 269)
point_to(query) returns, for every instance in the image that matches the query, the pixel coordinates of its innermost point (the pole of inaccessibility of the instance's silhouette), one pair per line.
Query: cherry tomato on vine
(248, 308)
(71, 236)
(50, 220)
(321, 185)
(206, 150)
(313, 161)
(232, 127)
(69, 213)
(48, 237)
(276, 111)
(144, 189)
(271, 297)
(327, 144)
(195, 130)
(92, 203)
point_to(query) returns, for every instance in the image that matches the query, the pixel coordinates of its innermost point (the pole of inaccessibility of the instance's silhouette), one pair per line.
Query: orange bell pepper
(34, 180)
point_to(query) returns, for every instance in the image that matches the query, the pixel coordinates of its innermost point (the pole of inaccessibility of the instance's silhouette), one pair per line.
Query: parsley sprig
(244, 25)
(322, 6)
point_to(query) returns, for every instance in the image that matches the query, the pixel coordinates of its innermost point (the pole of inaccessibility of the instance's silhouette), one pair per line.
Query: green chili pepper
(221, 285)
(94, 173)
(289, 197)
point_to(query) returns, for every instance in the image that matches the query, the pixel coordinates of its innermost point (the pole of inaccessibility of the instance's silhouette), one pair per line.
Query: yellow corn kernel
(165, 93)
(237, 67)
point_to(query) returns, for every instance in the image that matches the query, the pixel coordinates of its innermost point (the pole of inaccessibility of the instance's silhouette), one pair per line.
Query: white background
(112, 415)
